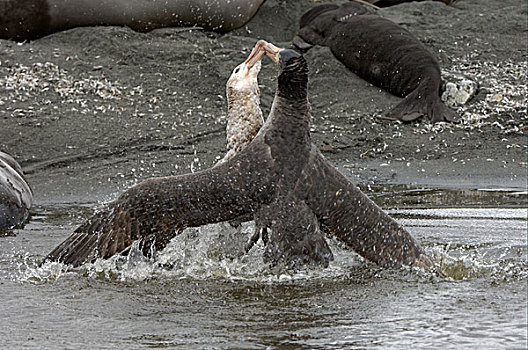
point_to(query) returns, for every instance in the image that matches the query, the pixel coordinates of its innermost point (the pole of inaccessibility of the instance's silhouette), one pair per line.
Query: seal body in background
(381, 52)
(31, 19)
(15, 194)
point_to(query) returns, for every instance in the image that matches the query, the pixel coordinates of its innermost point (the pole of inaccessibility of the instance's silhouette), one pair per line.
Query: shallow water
(203, 295)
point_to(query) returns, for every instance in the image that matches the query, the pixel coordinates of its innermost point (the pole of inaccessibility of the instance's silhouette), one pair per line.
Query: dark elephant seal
(280, 163)
(15, 194)
(31, 19)
(381, 52)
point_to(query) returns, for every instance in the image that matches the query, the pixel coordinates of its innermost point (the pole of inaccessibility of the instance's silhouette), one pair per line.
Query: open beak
(271, 51)
(263, 48)
(255, 56)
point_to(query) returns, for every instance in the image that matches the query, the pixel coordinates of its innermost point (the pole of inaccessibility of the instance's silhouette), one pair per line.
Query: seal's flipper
(411, 108)
(439, 112)
(299, 43)
(421, 102)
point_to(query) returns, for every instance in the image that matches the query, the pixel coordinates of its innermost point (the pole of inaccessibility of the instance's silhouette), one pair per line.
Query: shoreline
(91, 111)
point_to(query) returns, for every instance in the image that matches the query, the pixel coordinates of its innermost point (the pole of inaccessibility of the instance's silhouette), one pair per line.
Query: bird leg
(296, 237)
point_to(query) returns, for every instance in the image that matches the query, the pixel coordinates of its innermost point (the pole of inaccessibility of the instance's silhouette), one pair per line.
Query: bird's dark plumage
(156, 209)
(296, 237)
(356, 220)
(280, 177)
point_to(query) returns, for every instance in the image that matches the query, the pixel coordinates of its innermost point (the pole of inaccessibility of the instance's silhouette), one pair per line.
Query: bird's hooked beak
(263, 48)
(255, 56)
(271, 51)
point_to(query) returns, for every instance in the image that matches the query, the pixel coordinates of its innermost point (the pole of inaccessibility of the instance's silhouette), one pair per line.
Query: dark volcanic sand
(91, 111)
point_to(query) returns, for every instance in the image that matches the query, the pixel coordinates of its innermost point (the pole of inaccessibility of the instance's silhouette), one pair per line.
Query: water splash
(465, 243)
(463, 263)
(210, 252)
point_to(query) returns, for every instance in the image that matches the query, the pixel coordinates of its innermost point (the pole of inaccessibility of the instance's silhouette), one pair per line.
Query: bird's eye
(237, 69)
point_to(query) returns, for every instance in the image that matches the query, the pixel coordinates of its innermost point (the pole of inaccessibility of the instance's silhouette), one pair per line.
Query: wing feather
(355, 219)
(157, 209)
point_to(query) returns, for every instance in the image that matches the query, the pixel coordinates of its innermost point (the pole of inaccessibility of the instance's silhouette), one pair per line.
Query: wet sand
(91, 111)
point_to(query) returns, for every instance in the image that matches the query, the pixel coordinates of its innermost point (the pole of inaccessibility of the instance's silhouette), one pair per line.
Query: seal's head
(319, 23)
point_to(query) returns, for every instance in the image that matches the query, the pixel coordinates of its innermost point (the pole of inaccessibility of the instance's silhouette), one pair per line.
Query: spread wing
(156, 209)
(355, 219)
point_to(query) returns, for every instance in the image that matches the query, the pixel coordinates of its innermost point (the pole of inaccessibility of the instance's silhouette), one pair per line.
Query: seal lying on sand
(15, 194)
(381, 52)
(280, 163)
(31, 19)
